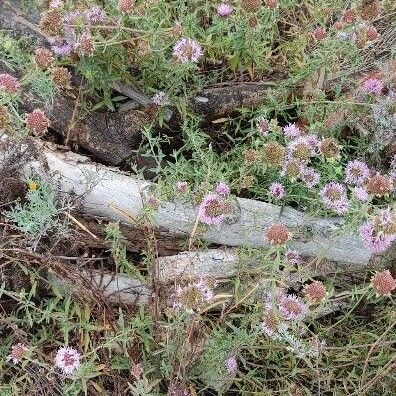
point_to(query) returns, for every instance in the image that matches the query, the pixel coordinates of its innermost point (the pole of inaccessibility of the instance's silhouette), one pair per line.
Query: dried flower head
(273, 154)
(356, 172)
(361, 194)
(250, 155)
(277, 234)
(301, 148)
(272, 3)
(329, 148)
(213, 209)
(193, 296)
(61, 77)
(231, 365)
(291, 308)
(9, 83)
(334, 197)
(67, 359)
(277, 190)
(126, 6)
(18, 352)
(319, 34)
(383, 283)
(85, 45)
(251, 5)
(246, 182)
(136, 370)
(368, 9)
(263, 126)
(291, 169)
(379, 185)
(315, 292)
(349, 17)
(293, 257)
(37, 122)
(291, 131)
(372, 34)
(223, 189)
(4, 117)
(187, 50)
(270, 323)
(225, 9)
(373, 86)
(51, 23)
(43, 58)
(181, 187)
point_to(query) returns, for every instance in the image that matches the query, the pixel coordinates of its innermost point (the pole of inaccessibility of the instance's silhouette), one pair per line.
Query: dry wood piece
(108, 193)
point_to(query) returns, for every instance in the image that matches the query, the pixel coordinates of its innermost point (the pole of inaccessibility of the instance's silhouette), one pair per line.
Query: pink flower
(95, 14)
(361, 194)
(231, 365)
(373, 86)
(225, 9)
(383, 283)
(181, 187)
(291, 131)
(193, 296)
(356, 172)
(309, 176)
(334, 197)
(223, 189)
(37, 121)
(293, 257)
(212, 210)
(292, 308)
(187, 50)
(376, 241)
(277, 190)
(9, 83)
(67, 359)
(60, 47)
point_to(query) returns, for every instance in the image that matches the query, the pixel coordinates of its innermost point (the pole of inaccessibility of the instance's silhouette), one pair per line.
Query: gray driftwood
(108, 193)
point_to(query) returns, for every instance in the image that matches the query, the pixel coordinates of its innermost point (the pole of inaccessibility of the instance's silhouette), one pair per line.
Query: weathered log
(114, 195)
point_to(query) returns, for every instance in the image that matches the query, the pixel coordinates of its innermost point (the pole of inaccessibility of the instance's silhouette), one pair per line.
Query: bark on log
(109, 193)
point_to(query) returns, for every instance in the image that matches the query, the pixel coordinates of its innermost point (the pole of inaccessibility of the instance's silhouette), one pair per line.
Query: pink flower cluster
(193, 296)
(373, 86)
(334, 197)
(187, 50)
(67, 359)
(291, 131)
(225, 9)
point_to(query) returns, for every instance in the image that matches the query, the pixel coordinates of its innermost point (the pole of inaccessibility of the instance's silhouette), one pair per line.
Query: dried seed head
(251, 5)
(246, 182)
(51, 23)
(319, 34)
(126, 6)
(9, 83)
(329, 148)
(271, 3)
(61, 77)
(37, 122)
(177, 29)
(273, 154)
(349, 16)
(315, 291)
(85, 44)
(18, 351)
(4, 117)
(253, 21)
(383, 283)
(372, 33)
(368, 9)
(277, 234)
(379, 185)
(292, 169)
(43, 58)
(270, 323)
(250, 155)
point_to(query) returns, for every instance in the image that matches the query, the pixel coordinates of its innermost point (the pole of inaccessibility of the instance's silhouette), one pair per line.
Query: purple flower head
(309, 176)
(376, 241)
(293, 257)
(55, 4)
(356, 172)
(160, 99)
(373, 86)
(193, 296)
(385, 217)
(95, 14)
(291, 308)
(291, 131)
(231, 365)
(67, 360)
(361, 194)
(212, 210)
(263, 126)
(61, 47)
(334, 197)
(187, 50)
(277, 190)
(18, 352)
(223, 189)
(225, 9)
(302, 148)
